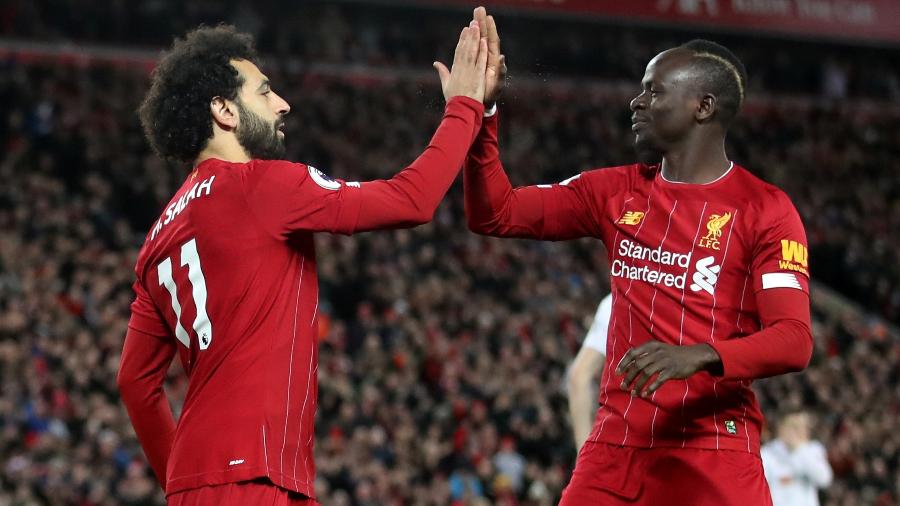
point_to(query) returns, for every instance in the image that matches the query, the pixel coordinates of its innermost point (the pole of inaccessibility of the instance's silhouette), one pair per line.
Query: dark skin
(675, 119)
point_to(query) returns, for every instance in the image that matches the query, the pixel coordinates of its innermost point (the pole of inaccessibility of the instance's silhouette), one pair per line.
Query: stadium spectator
(584, 374)
(796, 467)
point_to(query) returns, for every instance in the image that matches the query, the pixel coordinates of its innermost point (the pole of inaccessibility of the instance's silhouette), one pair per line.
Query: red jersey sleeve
(288, 197)
(783, 345)
(552, 212)
(780, 271)
(144, 316)
(780, 255)
(147, 353)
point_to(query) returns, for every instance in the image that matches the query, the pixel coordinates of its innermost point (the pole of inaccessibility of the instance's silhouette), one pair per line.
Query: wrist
(709, 359)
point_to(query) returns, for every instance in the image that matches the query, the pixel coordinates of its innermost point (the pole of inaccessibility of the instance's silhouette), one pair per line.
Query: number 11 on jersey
(202, 326)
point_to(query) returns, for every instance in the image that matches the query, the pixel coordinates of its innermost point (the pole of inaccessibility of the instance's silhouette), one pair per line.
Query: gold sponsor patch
(794, 257)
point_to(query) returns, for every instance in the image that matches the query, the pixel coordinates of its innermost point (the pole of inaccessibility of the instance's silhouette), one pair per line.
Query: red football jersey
(688, 263)
(227, 275)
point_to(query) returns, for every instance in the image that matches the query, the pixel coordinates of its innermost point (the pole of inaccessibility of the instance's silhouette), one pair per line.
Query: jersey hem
(211, 478)
(699, 443)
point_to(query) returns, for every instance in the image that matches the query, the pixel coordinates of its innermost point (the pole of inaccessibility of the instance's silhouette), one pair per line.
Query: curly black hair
(723, 74)
(175, 113)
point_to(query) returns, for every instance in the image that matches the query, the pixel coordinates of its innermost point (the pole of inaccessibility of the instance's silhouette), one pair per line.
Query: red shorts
(620, 475)
(257, 492)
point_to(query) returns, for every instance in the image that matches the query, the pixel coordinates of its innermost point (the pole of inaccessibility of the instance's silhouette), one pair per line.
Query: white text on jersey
(198, 190)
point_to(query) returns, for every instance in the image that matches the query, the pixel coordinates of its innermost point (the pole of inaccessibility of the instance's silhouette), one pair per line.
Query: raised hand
(467, 76)
(495, 74)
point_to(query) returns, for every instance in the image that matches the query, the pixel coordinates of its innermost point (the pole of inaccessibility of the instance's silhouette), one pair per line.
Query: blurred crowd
(379, 34)
(442, 353)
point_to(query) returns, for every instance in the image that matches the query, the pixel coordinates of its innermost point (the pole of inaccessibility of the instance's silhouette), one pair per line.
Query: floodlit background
(442, 353)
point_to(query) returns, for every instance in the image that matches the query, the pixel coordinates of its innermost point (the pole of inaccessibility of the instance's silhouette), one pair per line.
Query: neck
(696, 163)
(228, 150)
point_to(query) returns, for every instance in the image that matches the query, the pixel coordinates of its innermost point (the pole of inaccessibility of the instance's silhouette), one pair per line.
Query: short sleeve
(596, 336)
(780, 254)
(288, 197)
(144, 315)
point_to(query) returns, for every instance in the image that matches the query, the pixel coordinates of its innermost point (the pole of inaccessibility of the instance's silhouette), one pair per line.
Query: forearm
(493, 207)
(784, 344)
(412, 196)
(153, 424)
(782, 348)
(142, 370)
(582, 393)
(582, 408)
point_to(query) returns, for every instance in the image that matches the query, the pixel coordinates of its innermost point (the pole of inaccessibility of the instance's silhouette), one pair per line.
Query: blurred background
(442, 354)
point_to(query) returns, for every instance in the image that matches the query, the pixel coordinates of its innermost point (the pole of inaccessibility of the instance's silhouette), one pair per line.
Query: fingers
(630, 357)
(493, 37)
(464, 46)
(468, 46)
(658, 382)
(480, 16)
(474, 43)
(638, 366)
(647, 372)
(443, 73)
(481, 63)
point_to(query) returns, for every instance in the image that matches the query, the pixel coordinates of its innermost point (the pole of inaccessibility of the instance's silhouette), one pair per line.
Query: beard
(258, 138)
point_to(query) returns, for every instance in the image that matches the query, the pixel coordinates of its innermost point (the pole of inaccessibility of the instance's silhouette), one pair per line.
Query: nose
(638, 102)
(281, 106)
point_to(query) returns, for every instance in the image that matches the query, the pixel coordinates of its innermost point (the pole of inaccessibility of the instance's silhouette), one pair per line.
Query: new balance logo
(706, 276)
(631, 218)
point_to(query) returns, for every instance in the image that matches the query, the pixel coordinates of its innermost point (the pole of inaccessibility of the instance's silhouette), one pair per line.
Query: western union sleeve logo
(714, 230)
(631, 218)
(794, 257)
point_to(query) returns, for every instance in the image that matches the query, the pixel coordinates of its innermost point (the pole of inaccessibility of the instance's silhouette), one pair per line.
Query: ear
(706, 108)
(224, 113)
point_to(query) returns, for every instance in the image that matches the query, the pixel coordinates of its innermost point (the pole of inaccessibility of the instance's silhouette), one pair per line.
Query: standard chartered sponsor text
(636, 251)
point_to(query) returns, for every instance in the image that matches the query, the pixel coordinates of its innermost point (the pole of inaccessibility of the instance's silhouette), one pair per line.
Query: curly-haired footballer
(226, 278)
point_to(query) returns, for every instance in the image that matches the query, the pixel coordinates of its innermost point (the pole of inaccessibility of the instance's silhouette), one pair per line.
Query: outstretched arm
(493, 207)
(550, 212)
(289, 197)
